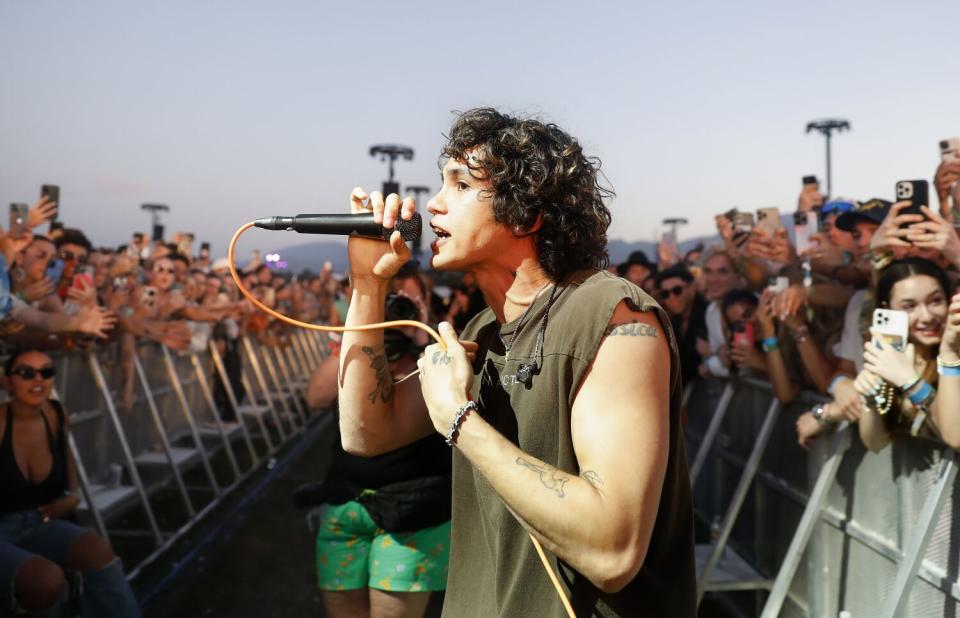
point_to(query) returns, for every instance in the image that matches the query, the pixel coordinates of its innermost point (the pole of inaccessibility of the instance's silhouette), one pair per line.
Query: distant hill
(313, 255)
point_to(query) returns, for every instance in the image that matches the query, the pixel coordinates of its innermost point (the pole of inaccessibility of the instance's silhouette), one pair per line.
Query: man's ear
(520, 232)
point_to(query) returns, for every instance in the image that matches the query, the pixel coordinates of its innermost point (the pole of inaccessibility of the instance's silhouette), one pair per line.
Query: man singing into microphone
(566, 425)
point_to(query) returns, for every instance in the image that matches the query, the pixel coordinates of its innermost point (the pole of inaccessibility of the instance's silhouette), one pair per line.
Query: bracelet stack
(770, 344)
(458, 420)
(948, 368)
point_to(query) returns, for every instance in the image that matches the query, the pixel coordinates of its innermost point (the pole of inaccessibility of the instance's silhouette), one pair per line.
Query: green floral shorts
(353, 552)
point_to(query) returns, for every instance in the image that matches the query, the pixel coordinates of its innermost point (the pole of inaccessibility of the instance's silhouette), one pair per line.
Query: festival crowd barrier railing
(148, 472)
(820, 532)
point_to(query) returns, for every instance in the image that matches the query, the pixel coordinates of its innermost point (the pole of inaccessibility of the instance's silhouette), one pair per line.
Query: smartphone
(52, 192)
(778, 284)
(805, 225)
(148, 296)
(55, 270)
(744, 334)
(950, 149)
(731, 215)
(204, 251)
(810, 180)
(84, 275)
(769, 220)
(917, 191)
(892, 327)
(19, 220)
(742, 227)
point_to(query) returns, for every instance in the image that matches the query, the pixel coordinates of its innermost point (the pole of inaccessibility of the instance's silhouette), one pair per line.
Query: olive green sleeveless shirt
(494, 568)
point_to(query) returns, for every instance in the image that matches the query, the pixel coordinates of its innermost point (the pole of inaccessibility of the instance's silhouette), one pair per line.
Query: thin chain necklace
(507, 345)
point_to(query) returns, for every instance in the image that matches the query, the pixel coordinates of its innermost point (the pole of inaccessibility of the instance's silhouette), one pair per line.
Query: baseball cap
(871, 211)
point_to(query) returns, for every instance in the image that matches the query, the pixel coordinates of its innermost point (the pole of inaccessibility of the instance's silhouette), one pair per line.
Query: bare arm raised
(375, 416)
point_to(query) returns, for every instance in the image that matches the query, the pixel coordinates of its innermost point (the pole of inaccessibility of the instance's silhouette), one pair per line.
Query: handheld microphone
(343, 225)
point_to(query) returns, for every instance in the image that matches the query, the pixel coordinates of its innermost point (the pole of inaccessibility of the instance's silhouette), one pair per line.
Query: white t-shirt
(850, 346)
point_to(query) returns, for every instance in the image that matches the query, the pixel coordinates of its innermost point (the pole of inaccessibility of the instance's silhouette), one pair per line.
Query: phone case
(950, 149)
(768, 219)
(803, 229)
(892, 326)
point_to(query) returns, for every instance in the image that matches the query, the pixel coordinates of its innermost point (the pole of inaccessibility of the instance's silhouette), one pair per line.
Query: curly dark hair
(538, 172)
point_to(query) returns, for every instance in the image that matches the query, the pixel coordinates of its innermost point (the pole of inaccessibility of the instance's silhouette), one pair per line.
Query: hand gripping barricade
(816, 533)
(150, 470)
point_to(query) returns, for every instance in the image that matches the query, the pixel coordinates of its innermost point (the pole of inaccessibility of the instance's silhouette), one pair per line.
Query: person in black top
(688, 312)
(384, 527)
(37, 485)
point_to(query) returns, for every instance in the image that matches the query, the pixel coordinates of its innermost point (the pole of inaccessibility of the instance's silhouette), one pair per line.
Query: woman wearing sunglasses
(37, 492)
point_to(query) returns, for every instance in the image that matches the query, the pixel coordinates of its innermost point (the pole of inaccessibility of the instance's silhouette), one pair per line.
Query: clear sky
(228, 111)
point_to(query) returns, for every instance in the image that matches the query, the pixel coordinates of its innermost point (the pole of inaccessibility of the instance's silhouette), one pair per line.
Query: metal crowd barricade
(165, 434)
(836, 528)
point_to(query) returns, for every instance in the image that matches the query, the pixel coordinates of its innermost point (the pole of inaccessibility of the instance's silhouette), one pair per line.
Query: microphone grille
(410, 230)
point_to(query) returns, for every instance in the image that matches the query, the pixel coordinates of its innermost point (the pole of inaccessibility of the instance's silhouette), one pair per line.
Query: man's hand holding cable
(445, 379)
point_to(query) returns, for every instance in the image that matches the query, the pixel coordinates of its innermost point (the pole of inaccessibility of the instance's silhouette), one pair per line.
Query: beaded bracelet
(458, 420)
(946, 363)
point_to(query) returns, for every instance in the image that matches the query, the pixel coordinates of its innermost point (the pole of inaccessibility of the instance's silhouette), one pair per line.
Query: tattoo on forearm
(550, 477)
(441, 358)
(593, 478)
(384, 388)
(631, 329)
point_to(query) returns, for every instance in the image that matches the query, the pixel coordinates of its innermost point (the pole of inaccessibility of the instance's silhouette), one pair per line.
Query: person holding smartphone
(899, 386)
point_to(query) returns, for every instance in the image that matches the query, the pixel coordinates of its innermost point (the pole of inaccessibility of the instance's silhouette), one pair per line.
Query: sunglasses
(28, 373)
(837, 206)
(70, 256)
(676, 290)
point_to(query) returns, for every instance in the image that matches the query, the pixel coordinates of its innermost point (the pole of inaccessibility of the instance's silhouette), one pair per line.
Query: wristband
(946, 370)
(833, 383)
(770, 344)
(458, 420)
(946, 363)
(926, 392)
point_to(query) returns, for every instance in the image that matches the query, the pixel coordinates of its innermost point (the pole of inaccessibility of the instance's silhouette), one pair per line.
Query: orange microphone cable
(231, 253)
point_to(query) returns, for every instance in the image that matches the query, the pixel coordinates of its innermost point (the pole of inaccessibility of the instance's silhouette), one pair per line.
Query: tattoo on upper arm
(593, 478)
(631, 329)
(550, 477)
(384, 387)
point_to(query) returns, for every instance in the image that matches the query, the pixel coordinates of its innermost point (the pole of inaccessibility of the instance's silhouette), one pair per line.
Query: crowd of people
(821, 318)
(59, 293)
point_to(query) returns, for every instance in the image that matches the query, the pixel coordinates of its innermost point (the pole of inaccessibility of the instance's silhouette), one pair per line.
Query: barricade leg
(262, 383)
(208, 396)
(191, 422)
(301, 352)
(712, 431)
(161, 431)
(85, 487)
(232, 398)
(913, 553)
(840, 442)
(276, 386)
(248, 387)
(289, 379)
(101, 382)
(739, 495)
